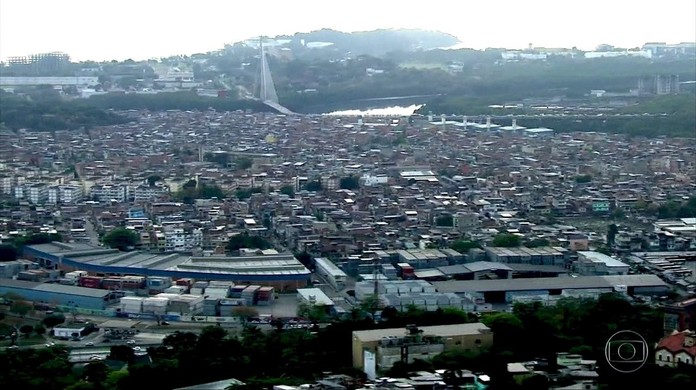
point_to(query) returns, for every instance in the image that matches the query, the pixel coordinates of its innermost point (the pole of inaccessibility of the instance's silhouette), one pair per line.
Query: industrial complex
(280, 270)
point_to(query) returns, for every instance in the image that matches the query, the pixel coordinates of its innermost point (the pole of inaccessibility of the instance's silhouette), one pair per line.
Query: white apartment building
(175, 239)
(70, 194)
(53, 194)
(36, 193)
(146, 192)
(117, 192)
(19, 192)
(6, 183)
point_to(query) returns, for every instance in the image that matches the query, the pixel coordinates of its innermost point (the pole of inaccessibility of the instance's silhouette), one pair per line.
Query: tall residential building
(145, 192)
(36, 193)
(70, 194)
(116, 192)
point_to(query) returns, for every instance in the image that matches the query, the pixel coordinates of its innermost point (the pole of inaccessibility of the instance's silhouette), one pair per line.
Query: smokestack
(465, 120)
(430, 116)
(360, 121)
(488, 123)
(442, 118)
(514, 124)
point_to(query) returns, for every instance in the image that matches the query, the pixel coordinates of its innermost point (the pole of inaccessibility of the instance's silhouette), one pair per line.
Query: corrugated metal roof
(55, 288)
(439, 330)
(580, 282)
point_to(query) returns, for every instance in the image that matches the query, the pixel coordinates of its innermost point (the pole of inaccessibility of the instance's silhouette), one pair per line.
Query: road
(91, 232)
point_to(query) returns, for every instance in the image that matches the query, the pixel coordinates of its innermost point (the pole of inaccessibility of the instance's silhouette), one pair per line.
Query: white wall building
(26, 81)
(146, 192)
(595, 263)
(36, 193)
(106, 192)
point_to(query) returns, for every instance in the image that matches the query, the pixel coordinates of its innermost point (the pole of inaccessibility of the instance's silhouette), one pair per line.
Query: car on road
(95, 357)
(51, 344)
(137, 349)
(89, 344)
(130, 342)
(164, 323)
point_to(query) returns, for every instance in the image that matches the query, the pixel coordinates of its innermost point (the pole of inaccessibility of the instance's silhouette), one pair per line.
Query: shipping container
(91, 281)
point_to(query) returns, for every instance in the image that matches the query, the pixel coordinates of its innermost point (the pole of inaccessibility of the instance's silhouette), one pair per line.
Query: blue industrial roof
(262, 267)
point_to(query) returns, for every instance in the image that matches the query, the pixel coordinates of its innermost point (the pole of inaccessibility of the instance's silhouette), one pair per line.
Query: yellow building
(386, 346)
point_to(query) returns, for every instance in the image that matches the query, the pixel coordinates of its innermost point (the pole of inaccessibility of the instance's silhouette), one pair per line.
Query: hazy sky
(142, 29)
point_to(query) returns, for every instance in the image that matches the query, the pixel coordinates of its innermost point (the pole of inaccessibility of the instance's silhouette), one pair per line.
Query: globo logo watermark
(626, 351)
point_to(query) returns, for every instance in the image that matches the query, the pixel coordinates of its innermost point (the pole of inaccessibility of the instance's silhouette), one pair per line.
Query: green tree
(313, 186)
(26, 329)
(612, 230)
(39, 329)
(20, 308)
(220, 158)
(96, 372)
(506, 240)
(52, 320)
(538, 242)
(583, 179)
(349, 183)
(122, 353)
(444, 220)
(463, 246)
(35, 239)
(312, 312)
(121, 239)
(8, 252)
(508, 329)
(245, 313)
(288, 190)
(243, 163)
(152, 179)
(206, 191)
(244, 240)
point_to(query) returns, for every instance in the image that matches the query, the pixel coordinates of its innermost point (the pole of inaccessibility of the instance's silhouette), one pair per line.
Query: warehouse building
(58, 294)
(500, 290)
(595, 263)
(314, 297)
(268, 267)
(378, 349)
(537, 256)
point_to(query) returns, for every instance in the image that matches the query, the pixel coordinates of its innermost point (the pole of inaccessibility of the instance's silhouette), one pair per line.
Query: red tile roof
(674, 343)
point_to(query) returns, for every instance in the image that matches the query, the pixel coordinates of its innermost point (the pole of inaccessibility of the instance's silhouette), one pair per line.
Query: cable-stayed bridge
(265, 89)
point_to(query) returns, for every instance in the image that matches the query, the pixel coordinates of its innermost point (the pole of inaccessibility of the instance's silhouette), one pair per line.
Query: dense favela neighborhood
(217, 247)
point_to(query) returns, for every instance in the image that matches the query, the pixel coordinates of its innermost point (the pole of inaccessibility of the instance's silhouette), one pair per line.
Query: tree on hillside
(444, 220)
(152, 179)
(350, 183)
(506, 240)
(463, 246)
(611, 234)
(245, 313)
(53, 320)
(288, 190)
(313, 186)
(121, 239)
(244, 240)
(8, 252)
(20, 308)
(243, 163)
(538, 242)
(26, 330)
(36, 239)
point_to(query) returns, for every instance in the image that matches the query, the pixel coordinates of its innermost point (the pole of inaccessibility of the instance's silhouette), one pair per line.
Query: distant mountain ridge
(375, 42)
